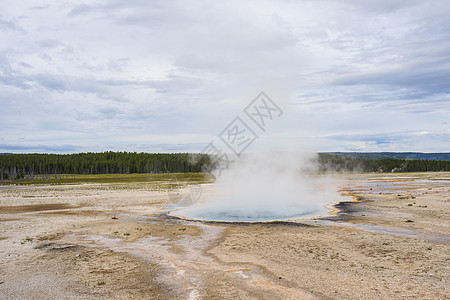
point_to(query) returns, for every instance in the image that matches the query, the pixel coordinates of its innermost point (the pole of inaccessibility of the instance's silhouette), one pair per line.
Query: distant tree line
(396, 155)
(17, 166)
(330, 162)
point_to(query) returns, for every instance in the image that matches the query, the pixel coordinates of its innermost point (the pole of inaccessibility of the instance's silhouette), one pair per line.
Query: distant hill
(394, 155)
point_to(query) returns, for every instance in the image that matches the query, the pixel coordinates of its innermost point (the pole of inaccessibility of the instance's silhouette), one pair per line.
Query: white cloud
(105, 75)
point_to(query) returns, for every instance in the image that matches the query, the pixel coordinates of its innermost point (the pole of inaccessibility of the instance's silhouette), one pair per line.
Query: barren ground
(96, 241)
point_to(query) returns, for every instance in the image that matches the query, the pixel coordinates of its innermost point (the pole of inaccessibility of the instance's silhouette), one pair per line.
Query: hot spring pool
(234, 213)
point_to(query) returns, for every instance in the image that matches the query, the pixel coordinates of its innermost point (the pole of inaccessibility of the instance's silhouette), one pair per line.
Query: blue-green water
(245, 214)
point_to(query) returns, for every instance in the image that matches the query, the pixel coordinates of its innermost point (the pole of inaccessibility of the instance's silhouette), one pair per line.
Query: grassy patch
(174, 178)
(27, 239)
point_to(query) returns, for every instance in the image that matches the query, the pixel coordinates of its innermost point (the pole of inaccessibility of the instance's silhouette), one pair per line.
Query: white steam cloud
(276, 178)
(266, 186)
(272, 179)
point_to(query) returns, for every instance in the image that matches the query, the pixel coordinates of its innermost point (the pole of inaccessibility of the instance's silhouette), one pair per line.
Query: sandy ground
(112, 241)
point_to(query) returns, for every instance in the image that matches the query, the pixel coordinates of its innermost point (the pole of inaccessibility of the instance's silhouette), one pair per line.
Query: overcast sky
(169, 76)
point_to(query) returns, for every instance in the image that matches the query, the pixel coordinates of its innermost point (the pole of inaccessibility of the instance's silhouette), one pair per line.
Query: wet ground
(114, 241)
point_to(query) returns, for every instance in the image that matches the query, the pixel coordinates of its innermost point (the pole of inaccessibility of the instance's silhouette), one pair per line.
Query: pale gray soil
(111, 241)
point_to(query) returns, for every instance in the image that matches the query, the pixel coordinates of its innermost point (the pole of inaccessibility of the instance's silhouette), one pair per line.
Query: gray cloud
(15, 148)
(116, 72)
(10, 25)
